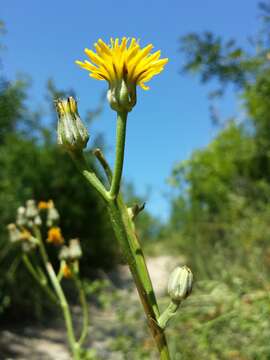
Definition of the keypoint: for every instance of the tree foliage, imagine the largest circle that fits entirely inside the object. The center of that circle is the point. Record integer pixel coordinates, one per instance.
(33, 167)
(223, 189)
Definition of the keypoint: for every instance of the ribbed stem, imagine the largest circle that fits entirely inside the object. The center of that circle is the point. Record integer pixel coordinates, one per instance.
(134, 256)
(125, 233)
(119, 155)
(74, 346)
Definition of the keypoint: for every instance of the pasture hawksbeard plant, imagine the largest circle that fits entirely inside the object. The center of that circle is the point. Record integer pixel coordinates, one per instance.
(124, 65)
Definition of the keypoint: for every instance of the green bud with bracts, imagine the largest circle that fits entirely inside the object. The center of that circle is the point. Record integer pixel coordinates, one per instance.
(180, 283)
(72, 135)
(179, 288)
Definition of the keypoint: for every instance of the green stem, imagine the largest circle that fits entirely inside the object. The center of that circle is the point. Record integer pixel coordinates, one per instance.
(41, 281)
(90, 176)
(168, 313)
(75, 347)
(101, 158)
(84, 305)
(126, 236)
(133, 254)
(119, 156)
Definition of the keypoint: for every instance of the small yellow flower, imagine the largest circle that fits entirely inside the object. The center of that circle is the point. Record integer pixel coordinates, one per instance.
(43, 205)
(66, 271)
(124, 65)
(55, 236)
(25, 235)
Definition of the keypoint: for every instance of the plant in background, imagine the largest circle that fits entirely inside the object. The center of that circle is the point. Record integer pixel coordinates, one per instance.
(124, 65)
(33, 225)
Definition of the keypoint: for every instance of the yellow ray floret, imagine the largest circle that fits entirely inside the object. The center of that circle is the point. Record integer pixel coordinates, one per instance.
(124, 60)
(55, 236)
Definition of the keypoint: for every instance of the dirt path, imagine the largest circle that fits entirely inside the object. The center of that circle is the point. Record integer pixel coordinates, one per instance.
(107, 324)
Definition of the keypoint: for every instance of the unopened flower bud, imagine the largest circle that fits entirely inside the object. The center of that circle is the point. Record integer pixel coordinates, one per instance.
(53, 215)
(14, 233)
(180, 283)
(120, 97)
(31, 209)
(75, 249)
(64, 253)
(72, 134)
(37, 220)
(21, 219)
(72, 252)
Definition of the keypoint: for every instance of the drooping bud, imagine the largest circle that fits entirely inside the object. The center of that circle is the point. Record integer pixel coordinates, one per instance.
(180, 283)
(71, 132)
(31, 209)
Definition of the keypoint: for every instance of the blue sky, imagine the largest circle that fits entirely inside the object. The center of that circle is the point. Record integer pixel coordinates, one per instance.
(172, 118)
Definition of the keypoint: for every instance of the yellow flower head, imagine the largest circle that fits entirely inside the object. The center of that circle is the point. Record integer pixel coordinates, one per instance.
(43, 205)
(25, 235)
(55, 236)
(66, 271)
(124, 65)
